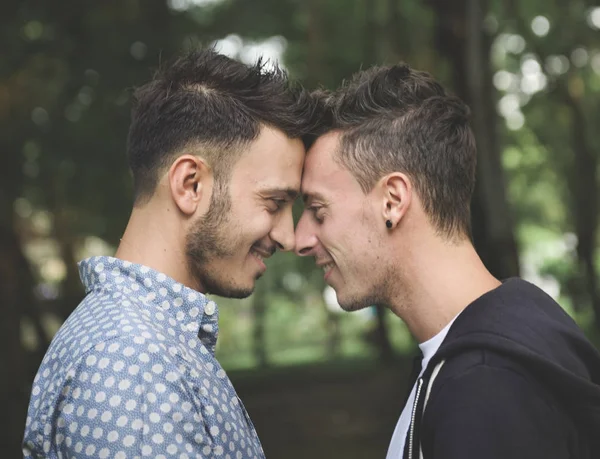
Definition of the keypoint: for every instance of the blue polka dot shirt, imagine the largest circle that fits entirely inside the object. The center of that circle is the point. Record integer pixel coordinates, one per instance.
(132, 373)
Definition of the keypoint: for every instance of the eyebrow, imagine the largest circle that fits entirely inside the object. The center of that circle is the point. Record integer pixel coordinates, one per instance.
(291, 193)
(311, 196)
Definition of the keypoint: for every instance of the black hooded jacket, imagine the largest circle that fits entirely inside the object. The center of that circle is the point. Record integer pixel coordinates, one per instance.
(514, 378)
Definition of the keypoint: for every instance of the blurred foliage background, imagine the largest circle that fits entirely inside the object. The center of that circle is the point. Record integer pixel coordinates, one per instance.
(317, 382)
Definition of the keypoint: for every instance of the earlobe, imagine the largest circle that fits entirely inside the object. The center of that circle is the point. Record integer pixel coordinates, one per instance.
(187, 178)
(397, 194)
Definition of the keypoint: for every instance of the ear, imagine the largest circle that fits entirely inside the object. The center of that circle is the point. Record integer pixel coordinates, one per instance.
(190, 179)
(397, 197)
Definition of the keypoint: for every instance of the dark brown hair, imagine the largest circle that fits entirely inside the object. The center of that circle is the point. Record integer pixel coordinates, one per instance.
(399, 119)
(211, 104)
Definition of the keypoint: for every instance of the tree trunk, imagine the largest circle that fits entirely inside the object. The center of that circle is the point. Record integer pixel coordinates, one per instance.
(14, 381)
(383, 341)
(314, 44)
(460, 38)
(259, 307)
(584, 189)
(333, 334)
(72, 291)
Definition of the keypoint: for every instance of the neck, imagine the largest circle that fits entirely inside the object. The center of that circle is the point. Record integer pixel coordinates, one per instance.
(438, 280)
(153, 238)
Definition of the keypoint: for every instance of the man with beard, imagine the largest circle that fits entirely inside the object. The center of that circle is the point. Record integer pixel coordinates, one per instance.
(505, 372)
(216, 156)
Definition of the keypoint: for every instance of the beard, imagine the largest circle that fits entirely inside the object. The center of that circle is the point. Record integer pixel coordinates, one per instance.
(377, 295)
(213, 237)
(356, 302)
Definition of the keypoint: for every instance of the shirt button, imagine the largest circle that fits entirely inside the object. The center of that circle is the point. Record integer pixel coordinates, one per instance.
(209, 309)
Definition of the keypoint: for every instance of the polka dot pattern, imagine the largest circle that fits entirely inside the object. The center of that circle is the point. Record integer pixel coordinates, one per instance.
(132, 373)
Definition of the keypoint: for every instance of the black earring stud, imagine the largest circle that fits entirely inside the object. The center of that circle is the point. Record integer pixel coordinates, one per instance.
(388, 223)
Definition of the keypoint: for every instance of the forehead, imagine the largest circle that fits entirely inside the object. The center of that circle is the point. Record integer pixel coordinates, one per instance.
(273, 160)
(322, 174)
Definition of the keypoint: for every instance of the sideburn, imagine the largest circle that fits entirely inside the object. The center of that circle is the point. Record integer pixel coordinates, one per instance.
(206, 240)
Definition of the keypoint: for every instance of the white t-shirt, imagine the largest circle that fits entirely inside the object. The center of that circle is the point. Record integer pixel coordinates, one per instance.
(428, 348)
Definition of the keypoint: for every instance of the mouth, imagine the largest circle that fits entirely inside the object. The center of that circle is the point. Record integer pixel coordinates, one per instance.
(327, 268)
(260, 256)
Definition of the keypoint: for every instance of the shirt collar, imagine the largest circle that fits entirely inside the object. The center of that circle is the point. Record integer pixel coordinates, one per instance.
(151, 289)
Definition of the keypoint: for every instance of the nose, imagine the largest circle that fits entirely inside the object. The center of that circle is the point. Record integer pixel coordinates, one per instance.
(306, 240)
(283, 232)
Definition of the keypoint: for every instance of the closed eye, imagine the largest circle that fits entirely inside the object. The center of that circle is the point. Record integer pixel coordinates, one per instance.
(277, 204)
(317, 212)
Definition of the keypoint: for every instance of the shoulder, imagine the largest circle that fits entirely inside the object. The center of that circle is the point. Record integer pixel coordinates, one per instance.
(484, 370)
(112, 349)
(484, 405)
(104, 320)
(484, 389)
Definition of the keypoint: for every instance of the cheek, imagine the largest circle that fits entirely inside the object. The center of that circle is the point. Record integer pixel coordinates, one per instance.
(256, 225)
(339, 239)
(359, 244)
(246, 215)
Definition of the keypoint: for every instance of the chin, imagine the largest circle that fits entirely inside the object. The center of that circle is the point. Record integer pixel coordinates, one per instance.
(228, 289)
(353, 303)
(238, 293)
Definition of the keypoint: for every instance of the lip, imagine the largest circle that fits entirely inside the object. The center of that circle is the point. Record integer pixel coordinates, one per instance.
(259, 253)
(331, 265)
